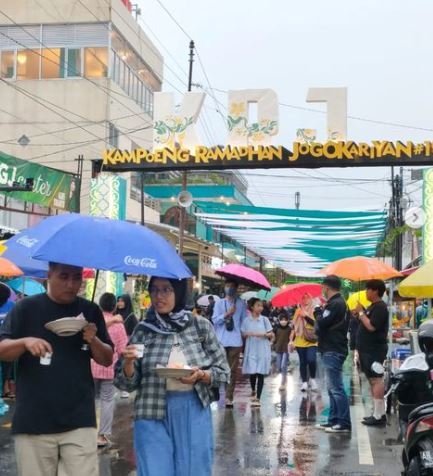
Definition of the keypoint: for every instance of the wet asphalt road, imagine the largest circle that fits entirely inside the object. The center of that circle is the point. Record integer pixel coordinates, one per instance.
(279, 439)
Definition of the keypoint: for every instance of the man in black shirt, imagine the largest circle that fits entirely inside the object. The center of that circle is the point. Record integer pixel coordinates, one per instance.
(372, 345)
(54, 422)
(332, 327)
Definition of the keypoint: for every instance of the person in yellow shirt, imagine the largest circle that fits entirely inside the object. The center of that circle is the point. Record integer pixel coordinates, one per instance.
(304, 340)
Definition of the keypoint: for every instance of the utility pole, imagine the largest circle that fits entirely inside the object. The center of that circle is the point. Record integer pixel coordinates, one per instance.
(80, 165)
(142, 197)
(182, 214)
(396, 216)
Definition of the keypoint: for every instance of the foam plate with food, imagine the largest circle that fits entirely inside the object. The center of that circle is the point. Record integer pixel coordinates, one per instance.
(173, 371)
(66, 326)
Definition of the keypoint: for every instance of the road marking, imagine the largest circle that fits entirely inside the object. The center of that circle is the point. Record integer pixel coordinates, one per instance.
(364, 447)
(363, 438)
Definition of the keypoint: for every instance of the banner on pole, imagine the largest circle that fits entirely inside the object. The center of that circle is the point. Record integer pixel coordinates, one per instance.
(51, 188)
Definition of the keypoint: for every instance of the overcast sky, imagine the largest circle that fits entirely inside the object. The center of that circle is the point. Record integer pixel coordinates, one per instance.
(379, 50)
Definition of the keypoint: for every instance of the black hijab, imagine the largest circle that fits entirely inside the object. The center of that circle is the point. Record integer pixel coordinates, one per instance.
(180, 287)
(128, 309)
(175, 321)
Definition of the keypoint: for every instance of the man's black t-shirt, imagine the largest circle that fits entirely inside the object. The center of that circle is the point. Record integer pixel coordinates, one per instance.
(58, 397)
(367, 341)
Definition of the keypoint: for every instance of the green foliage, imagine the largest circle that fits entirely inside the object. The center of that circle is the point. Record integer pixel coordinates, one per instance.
(386, 248)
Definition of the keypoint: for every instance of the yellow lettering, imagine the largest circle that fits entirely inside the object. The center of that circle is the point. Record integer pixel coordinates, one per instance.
(379, 145)
(316, 150)
(108, 157)
(402, 148)
(201, 155)
(363, 150)
(332, 150)
(389, 149)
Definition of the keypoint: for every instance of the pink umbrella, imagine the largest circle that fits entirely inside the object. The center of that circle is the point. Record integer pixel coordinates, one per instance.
(292, 294)
(244, 275)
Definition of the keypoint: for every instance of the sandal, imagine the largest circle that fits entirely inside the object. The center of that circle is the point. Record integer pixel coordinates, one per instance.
(103, 441)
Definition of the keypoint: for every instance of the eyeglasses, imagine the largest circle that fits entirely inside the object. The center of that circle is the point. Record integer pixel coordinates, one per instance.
(164, 292)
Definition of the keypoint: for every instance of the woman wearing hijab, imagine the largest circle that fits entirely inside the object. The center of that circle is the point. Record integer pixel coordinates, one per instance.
(305, 341)
(173, 425)
(126, 310)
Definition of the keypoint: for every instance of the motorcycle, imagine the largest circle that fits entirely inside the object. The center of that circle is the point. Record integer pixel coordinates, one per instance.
(412, 389)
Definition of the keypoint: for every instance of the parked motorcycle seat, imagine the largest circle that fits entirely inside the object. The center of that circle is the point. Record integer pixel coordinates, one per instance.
(421, 411)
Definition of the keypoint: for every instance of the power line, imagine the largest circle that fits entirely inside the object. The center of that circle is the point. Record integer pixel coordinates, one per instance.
(174, 19)
(354, 118)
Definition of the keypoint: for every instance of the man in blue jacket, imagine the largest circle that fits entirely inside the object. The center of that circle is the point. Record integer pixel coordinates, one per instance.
(227, 317)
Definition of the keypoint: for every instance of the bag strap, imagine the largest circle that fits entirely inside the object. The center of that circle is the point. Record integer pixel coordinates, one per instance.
(340, 323)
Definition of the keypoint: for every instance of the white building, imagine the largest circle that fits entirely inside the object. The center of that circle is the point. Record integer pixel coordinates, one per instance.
(76, 77)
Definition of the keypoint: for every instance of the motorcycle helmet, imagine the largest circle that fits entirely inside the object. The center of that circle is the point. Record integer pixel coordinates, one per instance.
(425, 340)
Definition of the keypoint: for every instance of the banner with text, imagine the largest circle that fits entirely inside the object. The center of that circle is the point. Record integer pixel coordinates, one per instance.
(52, 188)
(303, 155)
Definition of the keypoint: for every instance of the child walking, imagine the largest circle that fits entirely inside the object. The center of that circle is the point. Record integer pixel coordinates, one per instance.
(257, 356)
(281, 347)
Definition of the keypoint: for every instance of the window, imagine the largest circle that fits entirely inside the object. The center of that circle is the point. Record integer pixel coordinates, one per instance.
(74, 63)
(113, 135)
(53, 63)
(95, 62)
(28, 62)
(8, 64)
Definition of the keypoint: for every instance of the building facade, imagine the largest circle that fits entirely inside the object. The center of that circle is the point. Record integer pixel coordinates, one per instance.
(76, 78)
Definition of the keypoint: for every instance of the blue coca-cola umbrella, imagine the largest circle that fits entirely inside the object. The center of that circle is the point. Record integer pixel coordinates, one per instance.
(103, 244)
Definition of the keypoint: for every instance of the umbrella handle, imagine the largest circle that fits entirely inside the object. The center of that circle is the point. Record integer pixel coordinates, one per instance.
(94, 285)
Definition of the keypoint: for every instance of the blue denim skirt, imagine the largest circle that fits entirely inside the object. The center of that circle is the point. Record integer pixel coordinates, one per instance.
(179, 445)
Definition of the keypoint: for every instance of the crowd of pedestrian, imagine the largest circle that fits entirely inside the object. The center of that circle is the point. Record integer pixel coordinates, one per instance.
(55, 425)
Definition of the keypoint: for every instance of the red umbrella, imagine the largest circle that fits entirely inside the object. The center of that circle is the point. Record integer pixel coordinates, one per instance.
(88, 273)
(244, 275)
(292, 294)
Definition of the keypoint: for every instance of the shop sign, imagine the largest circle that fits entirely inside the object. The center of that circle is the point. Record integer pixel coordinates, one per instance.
(307, 154)
(51, 188)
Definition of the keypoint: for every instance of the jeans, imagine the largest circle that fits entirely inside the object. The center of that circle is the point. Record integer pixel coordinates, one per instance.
(307, 359)
(282, 363)
(339, 413)
(179, 445)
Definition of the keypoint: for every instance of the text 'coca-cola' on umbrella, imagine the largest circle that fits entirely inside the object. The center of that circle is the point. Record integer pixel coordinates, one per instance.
(103, 244)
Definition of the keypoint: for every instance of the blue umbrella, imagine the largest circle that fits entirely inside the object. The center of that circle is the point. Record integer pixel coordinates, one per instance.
(20, 255)
(26, 286)
(103, 244)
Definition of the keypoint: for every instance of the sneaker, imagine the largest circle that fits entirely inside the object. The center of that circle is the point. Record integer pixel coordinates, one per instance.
(304, 387)
(338, 429)
(313, 385)
(323, 426)
(124, 394)
(229, 403)
(372, 421)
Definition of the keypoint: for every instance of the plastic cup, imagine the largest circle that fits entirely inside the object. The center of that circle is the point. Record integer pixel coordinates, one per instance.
(46, 359)
(139, 349)
(377, 368)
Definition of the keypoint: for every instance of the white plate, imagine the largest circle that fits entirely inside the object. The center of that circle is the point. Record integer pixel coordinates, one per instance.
(67, 326)
(164, 372)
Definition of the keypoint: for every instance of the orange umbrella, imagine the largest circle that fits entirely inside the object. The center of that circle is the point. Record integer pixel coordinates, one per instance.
(8, 269)
(361, 268)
